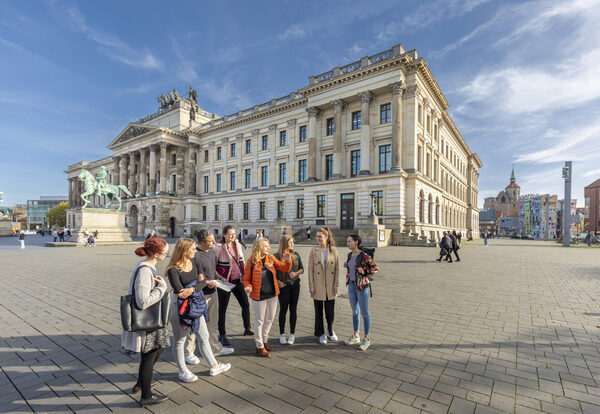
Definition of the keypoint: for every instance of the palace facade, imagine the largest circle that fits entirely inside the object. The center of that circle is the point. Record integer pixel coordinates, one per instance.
(375, 129)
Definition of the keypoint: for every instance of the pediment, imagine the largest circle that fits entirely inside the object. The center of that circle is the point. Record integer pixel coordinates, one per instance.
(130, 132)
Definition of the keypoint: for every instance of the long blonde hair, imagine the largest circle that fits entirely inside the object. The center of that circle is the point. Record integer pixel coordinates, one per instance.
(178, 259)
(283, 246)
(330, 241)
(256, 250)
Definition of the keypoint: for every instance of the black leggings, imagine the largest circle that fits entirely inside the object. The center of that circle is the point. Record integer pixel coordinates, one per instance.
(329, 315)
(146, 370)
(242, 298)
(288, 298)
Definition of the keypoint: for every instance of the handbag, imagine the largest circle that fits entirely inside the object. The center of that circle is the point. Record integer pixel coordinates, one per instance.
(153, 317)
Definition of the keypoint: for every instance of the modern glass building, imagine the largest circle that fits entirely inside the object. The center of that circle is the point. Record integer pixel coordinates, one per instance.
(36, 209)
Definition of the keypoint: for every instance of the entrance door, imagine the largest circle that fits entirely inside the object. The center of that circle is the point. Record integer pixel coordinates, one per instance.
(347, 207)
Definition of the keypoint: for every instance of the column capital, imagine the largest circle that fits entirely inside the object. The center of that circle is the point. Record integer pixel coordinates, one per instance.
(163, 145)
(338, 105)
(255, 131)
(366, 97)
(239, 137)
(313, 111)
(397, 88)
(272, 128)
(291, 122)
(411, 90)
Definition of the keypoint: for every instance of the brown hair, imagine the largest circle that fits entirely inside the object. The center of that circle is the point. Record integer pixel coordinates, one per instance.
(330, 241)
(256, 248)
(152, 246)
(358, 240)
(225, 230)
(283, 245)
(178, 259)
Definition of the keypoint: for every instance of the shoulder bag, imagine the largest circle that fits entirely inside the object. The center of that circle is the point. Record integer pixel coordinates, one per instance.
(153, 317)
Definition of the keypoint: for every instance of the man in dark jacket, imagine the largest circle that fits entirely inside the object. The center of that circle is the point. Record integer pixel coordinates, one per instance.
(444, 248)
(455, 245)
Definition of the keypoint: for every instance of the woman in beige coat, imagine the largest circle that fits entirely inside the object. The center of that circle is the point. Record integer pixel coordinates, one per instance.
(323, 281)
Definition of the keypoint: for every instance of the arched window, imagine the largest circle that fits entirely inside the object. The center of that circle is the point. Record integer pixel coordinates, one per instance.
(437, 210)
(430, 210)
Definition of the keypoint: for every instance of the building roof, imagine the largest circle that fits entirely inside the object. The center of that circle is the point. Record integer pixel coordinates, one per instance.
(594, 184)
(512, 185)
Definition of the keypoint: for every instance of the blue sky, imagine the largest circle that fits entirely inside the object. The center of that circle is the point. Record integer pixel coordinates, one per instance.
(521, 77)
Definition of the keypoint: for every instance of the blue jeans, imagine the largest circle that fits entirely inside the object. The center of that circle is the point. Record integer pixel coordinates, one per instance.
(359, 302)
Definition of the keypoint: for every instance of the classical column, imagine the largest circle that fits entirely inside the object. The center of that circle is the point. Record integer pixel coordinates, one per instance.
(397, 91)
(116, 170)
(131, 180)
(163, 167)
(180, 161)
(152, 169)
(365, 132)
(142, 172)
(239, 142)
(123, 171)
(255, 174)
(338, 157)
(70, 192)
(291, 164)
(190, 170)
(313, 112)
(273, 143)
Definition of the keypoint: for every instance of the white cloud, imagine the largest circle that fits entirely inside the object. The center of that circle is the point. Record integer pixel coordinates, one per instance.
(112, 46)
(293, 32)
(592, 173)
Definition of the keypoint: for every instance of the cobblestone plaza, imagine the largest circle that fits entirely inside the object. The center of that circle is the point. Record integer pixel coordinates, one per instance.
(510, 328)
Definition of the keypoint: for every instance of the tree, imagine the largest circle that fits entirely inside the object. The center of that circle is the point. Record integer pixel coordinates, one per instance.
(57, 215)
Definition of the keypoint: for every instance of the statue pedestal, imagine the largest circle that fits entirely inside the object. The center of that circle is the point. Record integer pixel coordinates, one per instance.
(110, 225)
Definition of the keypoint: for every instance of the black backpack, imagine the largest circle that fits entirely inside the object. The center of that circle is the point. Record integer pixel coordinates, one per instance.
(369, 251)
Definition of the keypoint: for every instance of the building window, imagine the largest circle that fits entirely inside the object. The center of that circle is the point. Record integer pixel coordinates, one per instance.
(300, 208)
(355, 120)
(420, 114)
(419, 156)
(230, 212)
(280, 209)
(232, 149)
(265, 142)
(282, 173)
(205, 155)
(248, 146)
(205, 179)
(246, 211)
(428, 124)
(301, 171)
(320, 206)
(217, 212)
(247, 178)
(173, 159)
(378, 202)
(153, 213)
(232, 180)
(302, 134)
(282, 138)
(218, 153)
(264, 176)
(262, 210)
(328, 166)
(385, 158)
(330, 126)
(203, 213)
(354, 163)
(385, 113)
(218, 182)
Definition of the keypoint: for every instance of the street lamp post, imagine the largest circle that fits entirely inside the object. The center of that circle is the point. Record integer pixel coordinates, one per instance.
(567, 173)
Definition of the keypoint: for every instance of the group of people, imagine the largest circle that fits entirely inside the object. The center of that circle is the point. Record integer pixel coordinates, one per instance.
(203, 277)
(450, 243)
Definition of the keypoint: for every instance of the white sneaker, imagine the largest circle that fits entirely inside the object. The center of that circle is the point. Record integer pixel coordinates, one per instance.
(353, 340)
(282, 339)
(188, 376)
(291, 339)
(192, 360)
(364, 344)
(219, 369)
(333, 337)
(224, 351)
(323, 339)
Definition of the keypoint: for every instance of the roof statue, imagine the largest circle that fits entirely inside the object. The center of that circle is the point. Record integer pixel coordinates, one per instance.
(193, 95)
(99, 187)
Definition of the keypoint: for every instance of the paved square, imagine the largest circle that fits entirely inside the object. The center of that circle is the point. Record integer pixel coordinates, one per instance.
(510, 328)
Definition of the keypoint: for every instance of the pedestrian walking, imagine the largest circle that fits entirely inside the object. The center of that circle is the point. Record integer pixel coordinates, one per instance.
(485, 238)
(95, 234)
(323, 282)
(61, 235)
(149, 289)
(187, 284)
(242, 238)
(55, 235)
(455, 245)
(588, 238)
(308, 232)
(206, 261)
(445, 245)
(230, 266)
(260, 282)
(22, 239)
(459, 237)
(289, 293)
(360, 268)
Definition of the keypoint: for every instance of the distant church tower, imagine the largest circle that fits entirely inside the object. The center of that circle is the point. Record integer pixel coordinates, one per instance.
(507, 200)
(513, 191)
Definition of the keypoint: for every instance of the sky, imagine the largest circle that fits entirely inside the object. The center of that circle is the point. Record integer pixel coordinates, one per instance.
(521, 77)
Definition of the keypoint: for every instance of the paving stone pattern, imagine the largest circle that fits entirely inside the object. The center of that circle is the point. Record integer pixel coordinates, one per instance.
(510, 328)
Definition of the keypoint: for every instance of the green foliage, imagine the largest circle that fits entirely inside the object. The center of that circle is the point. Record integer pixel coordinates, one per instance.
(58, 215)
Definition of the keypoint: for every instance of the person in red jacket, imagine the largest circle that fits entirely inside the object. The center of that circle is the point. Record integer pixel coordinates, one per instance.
(260, 282)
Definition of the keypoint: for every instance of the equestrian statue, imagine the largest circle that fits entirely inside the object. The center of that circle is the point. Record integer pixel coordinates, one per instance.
(99, 187)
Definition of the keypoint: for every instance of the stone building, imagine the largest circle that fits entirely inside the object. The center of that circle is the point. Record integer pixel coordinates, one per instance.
(592, 207)
(507, 200)
(377, 128)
